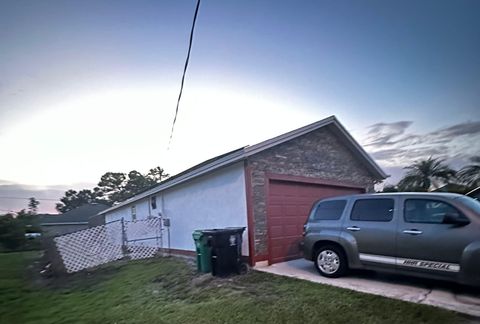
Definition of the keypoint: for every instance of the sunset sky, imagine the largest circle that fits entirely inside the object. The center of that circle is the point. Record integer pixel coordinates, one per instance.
(88, 87)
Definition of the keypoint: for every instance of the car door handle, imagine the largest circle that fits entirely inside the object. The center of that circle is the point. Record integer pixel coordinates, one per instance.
(412, 232)
(353, 228)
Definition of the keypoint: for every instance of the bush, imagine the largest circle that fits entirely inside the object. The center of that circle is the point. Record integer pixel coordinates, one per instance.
(12, 233)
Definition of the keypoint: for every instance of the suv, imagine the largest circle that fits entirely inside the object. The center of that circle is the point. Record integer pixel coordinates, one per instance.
(423, 234)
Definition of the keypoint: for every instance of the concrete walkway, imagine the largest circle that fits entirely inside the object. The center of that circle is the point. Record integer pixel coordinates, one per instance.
(437, 293)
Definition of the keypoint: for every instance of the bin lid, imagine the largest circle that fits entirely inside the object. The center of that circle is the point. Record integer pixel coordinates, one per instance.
(197, 234)
(231, 230)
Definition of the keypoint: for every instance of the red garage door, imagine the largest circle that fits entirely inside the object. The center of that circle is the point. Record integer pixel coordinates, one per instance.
(288, 206)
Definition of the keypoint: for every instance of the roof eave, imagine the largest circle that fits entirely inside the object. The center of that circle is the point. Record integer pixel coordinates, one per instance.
(230, 159)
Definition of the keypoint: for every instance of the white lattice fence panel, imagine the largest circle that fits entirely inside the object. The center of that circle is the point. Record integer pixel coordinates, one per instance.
(91, 247)
(143, 238)
(141, 251)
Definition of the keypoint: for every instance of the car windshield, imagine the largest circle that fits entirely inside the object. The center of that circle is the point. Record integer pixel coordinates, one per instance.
(471, 203)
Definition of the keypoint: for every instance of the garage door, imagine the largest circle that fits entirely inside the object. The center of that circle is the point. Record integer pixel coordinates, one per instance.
(288, 206)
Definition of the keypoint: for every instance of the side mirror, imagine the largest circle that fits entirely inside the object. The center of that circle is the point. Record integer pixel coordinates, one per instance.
(455, 219)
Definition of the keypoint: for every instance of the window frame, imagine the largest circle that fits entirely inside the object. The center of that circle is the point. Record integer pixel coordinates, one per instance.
(370, 220)
(460, 214)
(133, 210)
(153, 202)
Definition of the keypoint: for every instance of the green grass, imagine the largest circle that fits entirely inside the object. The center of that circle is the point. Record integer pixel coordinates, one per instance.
(168, 291)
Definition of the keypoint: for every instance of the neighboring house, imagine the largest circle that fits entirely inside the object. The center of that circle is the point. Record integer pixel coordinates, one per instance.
(453, 187)
(268, 188)
(475, 193)
(71, 221)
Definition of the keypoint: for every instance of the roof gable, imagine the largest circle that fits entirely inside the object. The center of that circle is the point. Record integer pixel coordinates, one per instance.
(242, 153)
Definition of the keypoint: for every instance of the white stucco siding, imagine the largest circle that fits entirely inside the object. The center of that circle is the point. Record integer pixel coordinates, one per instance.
(142, 207)
(215, 200)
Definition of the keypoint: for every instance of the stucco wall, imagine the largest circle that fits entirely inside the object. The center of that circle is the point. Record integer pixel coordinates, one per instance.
(142, 208)
(318, 154)
(215, 200)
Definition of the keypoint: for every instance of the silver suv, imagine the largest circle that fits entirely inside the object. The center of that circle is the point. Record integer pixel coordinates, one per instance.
(423, 234)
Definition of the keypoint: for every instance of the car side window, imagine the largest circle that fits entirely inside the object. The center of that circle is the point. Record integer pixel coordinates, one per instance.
(329, 210)
(374, 210)
(427, 211)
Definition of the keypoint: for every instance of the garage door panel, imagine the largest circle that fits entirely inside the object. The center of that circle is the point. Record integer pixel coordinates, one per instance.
(289, 204)
(275, 211)
(276, 231)
(288, 220)
(290, 230)
(291, 210)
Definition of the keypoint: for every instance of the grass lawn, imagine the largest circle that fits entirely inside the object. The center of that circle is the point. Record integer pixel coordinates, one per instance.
(167, 290)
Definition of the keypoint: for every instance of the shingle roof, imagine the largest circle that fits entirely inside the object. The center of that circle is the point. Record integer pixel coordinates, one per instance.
(77, 215)
(244, 152)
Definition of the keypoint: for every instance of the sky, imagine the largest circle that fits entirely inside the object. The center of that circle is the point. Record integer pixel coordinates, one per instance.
(88, 87)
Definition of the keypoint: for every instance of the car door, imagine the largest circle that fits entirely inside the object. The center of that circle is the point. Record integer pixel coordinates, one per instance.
(372, 225)
(424, 242)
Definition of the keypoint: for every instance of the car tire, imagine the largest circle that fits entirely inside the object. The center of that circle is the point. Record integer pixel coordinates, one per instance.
(330, 261)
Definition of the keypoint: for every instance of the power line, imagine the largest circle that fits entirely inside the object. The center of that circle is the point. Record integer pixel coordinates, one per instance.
(26, 198)
(184, 72)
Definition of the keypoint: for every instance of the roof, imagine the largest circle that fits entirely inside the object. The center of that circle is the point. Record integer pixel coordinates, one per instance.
(79, 215)
(242, 153)
(474, 193)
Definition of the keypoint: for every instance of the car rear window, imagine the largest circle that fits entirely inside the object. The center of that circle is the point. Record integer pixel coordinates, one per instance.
(374, 210)
(471, 203)
(427, 211)
(329, 210)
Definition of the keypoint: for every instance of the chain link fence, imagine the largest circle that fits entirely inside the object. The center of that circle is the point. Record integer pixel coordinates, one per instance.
(113, 241)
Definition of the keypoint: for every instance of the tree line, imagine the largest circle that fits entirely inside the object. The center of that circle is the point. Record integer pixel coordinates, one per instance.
(113, 187)
(425, 175)
(13, 228)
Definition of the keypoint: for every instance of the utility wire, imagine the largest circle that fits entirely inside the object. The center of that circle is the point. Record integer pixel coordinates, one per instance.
(184, 72)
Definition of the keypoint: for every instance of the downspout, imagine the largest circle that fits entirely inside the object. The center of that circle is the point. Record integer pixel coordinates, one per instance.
(168, 227)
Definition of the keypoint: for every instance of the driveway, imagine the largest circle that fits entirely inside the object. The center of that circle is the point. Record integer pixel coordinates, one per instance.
(437, 293)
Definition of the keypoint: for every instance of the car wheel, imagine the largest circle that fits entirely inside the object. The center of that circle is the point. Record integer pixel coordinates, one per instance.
(330, 261)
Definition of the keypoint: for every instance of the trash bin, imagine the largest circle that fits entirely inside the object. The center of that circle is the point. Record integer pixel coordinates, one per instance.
(226, 251)
(204, 253)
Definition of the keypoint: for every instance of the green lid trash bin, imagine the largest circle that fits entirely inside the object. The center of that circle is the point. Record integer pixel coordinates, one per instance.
(204, 253)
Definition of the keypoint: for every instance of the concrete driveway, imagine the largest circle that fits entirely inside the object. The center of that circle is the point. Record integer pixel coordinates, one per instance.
(430, 292)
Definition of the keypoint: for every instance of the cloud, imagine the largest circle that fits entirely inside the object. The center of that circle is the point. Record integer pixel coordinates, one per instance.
(392, 146)
(383, 133)
(468, 128)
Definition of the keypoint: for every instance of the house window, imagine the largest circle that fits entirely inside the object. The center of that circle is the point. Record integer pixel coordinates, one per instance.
(134, 212)
(153, 201)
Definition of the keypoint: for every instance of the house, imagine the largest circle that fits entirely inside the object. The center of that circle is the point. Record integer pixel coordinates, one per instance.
(475, 193)
(71, 221)
(453, 187)
(269, 188)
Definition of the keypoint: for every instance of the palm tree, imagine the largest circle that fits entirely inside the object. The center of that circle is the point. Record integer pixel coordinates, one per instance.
(423, 174)
(470, 174)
